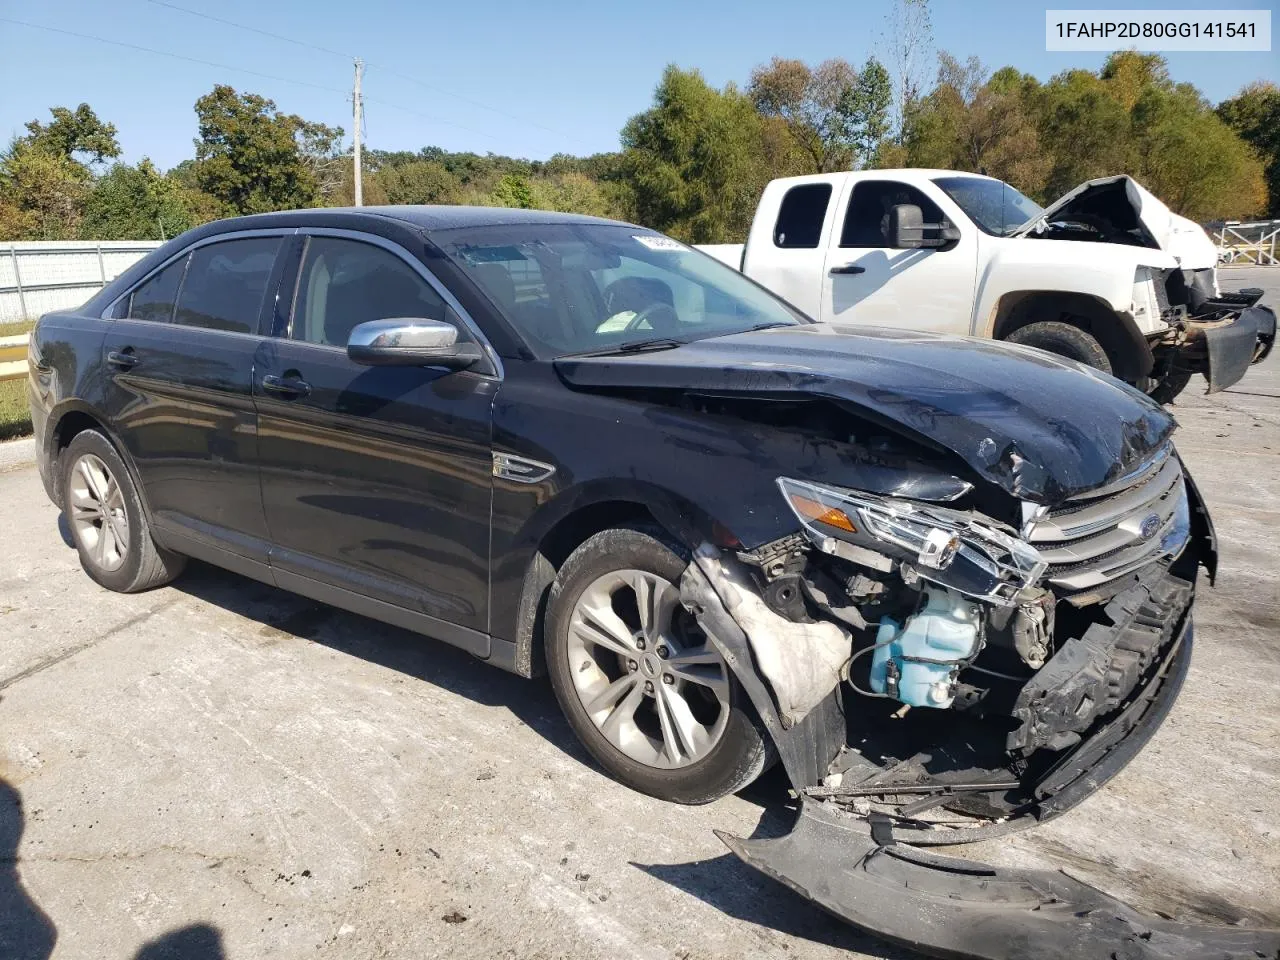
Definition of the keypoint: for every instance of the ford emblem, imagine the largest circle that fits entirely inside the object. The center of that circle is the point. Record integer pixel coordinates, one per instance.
(1149, 527)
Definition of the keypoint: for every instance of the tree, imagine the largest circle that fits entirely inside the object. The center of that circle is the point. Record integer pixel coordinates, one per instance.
(420, 181)
(137, 203)
(968, 122)
(836, 114)
(75, 132)
(45, 176)
(42, 192)
(1191, 160)
(697, 160)
(252, 158)
(1085, 128)
(513, 191)
(1254, 114)
(909, 39)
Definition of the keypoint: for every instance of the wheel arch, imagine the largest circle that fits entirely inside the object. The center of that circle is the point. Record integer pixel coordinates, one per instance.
(72, 418)
(562, 525)
(1126, 347)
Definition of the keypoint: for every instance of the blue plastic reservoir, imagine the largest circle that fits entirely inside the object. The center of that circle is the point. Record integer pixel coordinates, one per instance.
(943, 633)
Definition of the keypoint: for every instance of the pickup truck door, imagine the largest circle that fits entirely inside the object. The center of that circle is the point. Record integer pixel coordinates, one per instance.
(786, 253)
(867, 281)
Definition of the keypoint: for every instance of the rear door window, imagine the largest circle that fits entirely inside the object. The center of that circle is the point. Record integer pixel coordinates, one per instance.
(866, 222)
(343, 283)
(154, 299)
(800, 216)
(226, 283)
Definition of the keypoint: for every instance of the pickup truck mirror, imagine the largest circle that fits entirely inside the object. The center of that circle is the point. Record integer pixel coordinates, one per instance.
(907, 230)
(410, 342)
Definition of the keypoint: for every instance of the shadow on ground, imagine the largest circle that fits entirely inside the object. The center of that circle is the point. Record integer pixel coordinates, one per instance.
(734, 888)
(27, 933)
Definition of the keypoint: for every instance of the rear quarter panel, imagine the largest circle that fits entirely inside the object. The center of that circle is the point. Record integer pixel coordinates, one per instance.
(65, 375)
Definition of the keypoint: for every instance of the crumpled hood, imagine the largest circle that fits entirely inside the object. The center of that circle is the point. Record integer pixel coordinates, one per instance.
(1126, 201)
(1038, 426)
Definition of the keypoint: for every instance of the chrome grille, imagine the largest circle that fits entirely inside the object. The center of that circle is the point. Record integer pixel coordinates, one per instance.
(1102, 535)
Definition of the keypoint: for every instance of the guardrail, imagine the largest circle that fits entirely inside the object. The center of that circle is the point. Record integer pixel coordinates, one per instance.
(13, 357)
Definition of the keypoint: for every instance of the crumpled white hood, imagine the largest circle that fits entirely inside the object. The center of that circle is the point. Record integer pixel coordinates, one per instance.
(1176, 235)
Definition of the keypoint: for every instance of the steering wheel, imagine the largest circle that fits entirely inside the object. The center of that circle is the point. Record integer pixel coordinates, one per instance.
(649, 313)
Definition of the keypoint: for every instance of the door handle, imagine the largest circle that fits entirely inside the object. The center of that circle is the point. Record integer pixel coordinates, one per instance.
(290, 388)
(846, 269)
(124, 359)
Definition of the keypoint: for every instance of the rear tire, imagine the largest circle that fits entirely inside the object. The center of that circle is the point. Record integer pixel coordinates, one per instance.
(107, 521)
(688, 734)
(1064, 339)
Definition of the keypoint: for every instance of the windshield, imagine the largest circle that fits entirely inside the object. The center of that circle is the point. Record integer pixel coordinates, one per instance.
(585, 288)
(994, 206)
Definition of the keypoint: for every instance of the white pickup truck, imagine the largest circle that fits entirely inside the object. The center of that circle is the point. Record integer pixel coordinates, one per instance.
(1107, 275)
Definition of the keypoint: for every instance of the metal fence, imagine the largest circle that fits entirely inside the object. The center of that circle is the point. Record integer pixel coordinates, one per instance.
(1247, 242)
(39, 276)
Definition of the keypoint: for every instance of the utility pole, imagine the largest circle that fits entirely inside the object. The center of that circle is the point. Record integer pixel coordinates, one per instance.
(357, 109)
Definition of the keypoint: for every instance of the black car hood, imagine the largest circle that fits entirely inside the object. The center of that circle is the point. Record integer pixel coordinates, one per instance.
(1040, 427)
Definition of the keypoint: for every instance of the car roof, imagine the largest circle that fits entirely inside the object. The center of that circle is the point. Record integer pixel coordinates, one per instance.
(423, 217)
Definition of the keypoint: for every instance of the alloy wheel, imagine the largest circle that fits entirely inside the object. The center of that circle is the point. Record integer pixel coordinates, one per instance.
(98, 515)
(644, 672)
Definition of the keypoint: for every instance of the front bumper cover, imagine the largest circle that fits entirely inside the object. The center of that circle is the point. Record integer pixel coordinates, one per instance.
(856, 867)
(1234, 347)
(947, 907)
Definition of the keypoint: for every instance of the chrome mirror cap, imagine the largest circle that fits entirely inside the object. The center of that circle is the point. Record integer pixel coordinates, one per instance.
(410, 341)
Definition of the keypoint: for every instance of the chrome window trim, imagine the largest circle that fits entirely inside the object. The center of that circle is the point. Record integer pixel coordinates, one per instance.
(186, 252)
(431, 279)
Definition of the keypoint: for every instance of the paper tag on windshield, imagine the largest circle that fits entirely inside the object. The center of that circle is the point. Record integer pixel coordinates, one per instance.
(660, 243)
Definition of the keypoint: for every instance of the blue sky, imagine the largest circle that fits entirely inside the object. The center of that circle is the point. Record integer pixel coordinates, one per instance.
(522, 78)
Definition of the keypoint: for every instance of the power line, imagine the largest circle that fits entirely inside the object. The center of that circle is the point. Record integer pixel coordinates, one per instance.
(241, 26)
(174, 56)
(256, 73)
(346, 56)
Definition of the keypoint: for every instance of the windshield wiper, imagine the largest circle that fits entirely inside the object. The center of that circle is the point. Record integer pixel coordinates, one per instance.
(770, 325)
(637, 346)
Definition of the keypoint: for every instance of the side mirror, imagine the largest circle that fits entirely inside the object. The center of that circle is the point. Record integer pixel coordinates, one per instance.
(907, 230)
(410, 342)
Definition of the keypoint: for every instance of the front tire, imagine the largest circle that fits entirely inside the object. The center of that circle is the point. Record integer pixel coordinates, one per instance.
(643, 688)
(107, 521)
(1064, 339)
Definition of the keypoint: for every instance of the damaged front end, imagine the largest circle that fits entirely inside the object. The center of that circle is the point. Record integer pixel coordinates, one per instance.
(1200, 330)
(933, 676)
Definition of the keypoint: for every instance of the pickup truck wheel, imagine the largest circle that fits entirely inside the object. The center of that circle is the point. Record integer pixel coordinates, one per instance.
(107, 521)
(644, 689)
(1064, 339)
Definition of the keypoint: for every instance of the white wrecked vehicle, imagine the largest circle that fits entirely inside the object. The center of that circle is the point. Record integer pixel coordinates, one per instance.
(947, 252)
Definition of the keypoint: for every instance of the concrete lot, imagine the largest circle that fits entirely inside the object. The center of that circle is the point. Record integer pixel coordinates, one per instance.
(219, 769)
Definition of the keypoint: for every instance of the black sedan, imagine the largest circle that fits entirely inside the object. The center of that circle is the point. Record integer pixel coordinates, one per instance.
(947, 583)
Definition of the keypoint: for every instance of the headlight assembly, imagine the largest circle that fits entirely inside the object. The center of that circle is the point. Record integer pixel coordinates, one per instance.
(948, 547)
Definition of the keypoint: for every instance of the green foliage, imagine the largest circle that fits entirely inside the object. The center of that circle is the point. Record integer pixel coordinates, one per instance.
(1254, 114)
(420, 181)
(698, 159)
(970, 122)
(73, 132)
(513, 191)
(837, 115)
(138, 203)
(695, 162)
(1190, 159)
(252, 158)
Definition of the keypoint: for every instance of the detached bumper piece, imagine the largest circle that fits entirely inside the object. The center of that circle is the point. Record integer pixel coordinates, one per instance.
(955, 908)
(1232, 345)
